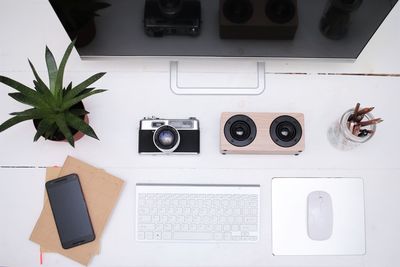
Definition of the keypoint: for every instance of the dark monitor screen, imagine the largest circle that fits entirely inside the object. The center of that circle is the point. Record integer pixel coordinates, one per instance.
(222, 28)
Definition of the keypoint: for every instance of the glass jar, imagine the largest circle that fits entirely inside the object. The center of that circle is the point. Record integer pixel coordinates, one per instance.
(342, 138)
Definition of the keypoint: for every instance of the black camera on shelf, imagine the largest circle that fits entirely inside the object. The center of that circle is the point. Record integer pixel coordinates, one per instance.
(172, 17)
(335, 21)
(164, 136)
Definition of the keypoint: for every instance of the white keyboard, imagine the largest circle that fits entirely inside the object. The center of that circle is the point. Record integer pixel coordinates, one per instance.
(198, 213)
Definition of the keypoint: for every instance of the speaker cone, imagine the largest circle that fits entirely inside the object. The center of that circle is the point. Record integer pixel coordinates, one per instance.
(240, 130)
(280, 11)
(285, 131)
(238, 11)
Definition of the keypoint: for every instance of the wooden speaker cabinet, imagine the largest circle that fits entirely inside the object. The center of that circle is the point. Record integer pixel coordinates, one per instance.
(262, 133)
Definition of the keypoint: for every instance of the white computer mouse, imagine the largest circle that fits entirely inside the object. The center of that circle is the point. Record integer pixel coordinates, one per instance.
(319, 215)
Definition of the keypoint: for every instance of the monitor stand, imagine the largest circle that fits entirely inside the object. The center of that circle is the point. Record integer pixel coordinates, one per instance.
(255, 87)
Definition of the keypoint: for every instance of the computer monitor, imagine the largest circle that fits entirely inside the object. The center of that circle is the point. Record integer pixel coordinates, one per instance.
(222, 28)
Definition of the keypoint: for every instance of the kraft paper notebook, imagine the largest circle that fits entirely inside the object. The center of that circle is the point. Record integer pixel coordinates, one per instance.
(101, 191)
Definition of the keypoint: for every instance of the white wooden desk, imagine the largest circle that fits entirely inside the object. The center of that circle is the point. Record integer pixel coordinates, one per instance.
(139, 87)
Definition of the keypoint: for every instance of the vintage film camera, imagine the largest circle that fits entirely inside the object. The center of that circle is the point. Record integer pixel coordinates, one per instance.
(172, 17)
(163, 136)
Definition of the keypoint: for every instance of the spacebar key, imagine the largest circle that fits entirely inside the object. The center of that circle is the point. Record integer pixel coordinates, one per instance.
(192, 236)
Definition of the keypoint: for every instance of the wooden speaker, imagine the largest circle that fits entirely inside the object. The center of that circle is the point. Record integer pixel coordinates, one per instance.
(262, 133)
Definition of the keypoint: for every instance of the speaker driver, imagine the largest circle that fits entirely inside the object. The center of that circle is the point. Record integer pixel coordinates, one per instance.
(240, 130)
(285, 131)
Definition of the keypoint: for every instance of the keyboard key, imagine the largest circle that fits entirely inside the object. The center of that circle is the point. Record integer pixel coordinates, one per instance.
(148, 235)
(192, 236)
(146, 227)
(227, 236)
(157, 235)
(250, 220)
(218, 236)
(144, 219)
(227, 227)
(167, 235)
(167, 227)
(140, 235)
(248, 228)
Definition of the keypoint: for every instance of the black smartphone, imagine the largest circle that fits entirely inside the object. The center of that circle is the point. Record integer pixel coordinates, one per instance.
(70, 211)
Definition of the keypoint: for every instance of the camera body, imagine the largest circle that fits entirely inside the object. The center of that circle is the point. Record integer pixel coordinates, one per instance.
(165, 136)
(262, 133)
(258, 19)
(172, 17)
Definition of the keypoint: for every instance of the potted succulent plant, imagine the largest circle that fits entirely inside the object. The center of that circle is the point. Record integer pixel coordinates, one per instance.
(77, 17)
(57, 112)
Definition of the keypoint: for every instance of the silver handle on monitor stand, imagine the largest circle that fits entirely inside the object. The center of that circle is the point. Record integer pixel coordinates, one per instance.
(180, 90)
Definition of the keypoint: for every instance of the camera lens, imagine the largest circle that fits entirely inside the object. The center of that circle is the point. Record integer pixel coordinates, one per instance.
(166, 138)
(170, 7)
(238, 11)
(280, 11)
(285, 131)
(240, 130)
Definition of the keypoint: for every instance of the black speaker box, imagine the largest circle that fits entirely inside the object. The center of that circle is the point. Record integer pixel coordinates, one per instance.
(258, 19)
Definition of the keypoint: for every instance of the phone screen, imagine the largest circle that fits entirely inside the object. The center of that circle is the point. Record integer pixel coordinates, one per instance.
(70, 211)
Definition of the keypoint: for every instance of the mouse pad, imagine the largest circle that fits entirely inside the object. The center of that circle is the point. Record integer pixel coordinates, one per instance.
(290, 216)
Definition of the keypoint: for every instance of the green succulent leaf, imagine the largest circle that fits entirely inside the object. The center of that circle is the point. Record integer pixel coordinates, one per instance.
(60, 73)
(51, 131)
(83, 85)
(68, 89)
(69, 103)
(41, 86)
(78, 124)
(22, 99)
(29, 93)
(43, 126)
(12, 121)
(62, 125)
(51, 68)
(46, 94)
(33, 112)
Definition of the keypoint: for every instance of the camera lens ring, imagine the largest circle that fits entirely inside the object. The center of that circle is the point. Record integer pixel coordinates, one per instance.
(240, 130)
(280, 11)
(166, 138)
(285, 131)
